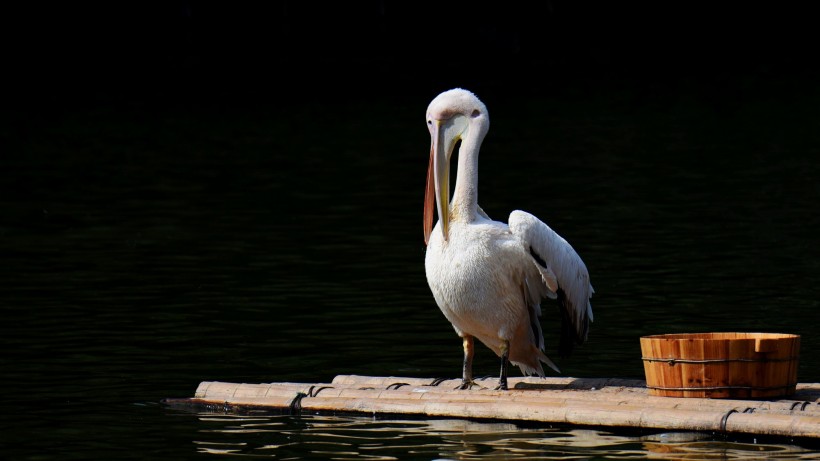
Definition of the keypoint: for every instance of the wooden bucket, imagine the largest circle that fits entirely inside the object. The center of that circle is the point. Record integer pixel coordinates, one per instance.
(721, 365)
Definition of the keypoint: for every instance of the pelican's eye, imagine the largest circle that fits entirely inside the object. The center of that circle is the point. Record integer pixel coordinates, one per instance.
(475, 113)
(430, 122)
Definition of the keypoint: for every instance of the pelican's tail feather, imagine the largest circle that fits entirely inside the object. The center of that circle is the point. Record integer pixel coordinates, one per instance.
(529, 369)
(537, 369)
(543, 357)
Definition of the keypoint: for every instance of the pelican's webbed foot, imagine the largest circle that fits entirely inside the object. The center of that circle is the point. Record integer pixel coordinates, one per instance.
(467, 385)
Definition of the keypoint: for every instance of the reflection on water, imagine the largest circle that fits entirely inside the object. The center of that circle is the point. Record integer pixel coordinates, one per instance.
(320, 437)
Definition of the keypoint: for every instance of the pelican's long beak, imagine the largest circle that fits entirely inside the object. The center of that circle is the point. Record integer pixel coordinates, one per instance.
(438, 181)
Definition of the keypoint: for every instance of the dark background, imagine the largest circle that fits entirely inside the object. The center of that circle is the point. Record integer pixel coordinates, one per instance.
(120, 118)
(60, 54)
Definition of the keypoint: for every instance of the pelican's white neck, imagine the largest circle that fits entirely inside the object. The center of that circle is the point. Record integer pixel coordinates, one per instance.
(464, 205)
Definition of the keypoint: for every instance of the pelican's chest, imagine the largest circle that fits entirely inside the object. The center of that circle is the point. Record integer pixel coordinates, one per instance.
(470, 264)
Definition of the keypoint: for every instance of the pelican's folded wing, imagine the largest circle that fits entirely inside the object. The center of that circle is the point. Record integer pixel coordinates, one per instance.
(558, 262)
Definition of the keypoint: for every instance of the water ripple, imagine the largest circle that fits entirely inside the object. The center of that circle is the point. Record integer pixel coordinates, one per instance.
(361, 438)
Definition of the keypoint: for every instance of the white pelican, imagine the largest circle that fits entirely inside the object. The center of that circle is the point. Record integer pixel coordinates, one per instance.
(488, 277)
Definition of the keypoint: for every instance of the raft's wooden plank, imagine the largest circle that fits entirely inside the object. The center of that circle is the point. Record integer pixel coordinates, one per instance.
(522, 382)
(590, 402)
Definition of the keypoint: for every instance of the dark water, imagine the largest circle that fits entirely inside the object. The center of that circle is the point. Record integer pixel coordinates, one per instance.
(145, 250)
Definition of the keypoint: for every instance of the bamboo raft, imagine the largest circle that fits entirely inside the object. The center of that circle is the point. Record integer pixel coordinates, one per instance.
(610, 403)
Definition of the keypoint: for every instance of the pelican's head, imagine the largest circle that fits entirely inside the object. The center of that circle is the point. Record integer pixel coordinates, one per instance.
(452, 116)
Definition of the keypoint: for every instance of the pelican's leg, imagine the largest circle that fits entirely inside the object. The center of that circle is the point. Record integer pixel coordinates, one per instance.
(505, 354)
(467, 375)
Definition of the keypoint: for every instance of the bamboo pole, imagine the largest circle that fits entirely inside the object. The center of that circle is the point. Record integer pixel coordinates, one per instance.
(607, 415)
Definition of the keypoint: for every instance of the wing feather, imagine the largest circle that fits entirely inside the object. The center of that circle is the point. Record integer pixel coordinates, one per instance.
(558, 262)
(532, 300)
